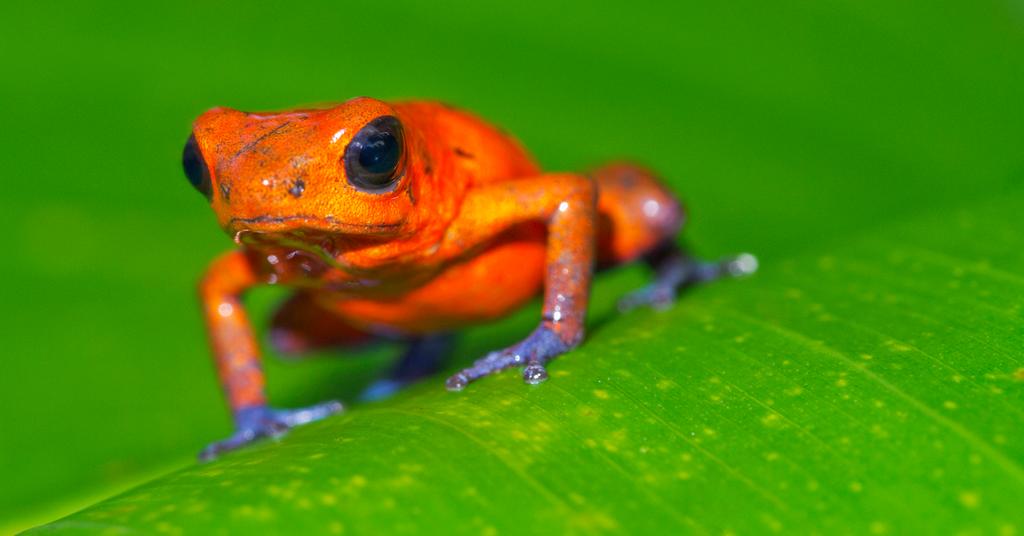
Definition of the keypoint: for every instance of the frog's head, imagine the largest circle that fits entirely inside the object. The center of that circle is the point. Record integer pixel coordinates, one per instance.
(346, 170)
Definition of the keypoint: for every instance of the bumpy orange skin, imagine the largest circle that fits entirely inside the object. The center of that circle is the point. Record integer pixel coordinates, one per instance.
(471, 231)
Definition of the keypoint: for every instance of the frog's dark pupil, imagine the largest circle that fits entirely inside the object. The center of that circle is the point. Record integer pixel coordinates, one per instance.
(380, 153)
(374, 156)
(195, 167)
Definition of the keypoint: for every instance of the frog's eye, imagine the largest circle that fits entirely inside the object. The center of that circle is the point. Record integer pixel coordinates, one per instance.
(195, 168)
(374, 156)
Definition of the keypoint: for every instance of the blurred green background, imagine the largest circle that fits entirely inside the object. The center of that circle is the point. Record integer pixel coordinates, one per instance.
(783, 125)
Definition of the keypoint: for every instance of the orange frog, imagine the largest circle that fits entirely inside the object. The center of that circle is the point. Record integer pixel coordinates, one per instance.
(411, 220)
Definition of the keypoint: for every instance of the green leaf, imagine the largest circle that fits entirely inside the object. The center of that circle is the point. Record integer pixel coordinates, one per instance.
(874, 385)
(861, 135)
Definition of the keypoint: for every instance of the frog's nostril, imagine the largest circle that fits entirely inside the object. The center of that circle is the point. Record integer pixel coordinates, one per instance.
(195, 168)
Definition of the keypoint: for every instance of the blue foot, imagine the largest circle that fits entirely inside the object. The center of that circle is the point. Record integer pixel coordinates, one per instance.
(534, 352)
(424, 356)
(381, 389)
(677, 272)
(261, 422)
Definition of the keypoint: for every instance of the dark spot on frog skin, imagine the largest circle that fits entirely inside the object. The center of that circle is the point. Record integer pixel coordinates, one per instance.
(412, 196)
(225, 192)
(298, 186)
(428, 161)
(279, 129)
(460, 152)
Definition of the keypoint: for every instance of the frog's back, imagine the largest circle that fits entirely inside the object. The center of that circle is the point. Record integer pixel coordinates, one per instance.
(467, 144)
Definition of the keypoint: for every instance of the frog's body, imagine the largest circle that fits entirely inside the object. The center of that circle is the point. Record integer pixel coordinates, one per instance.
(410, 220)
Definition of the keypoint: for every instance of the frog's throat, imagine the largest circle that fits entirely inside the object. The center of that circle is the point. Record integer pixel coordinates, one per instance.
(328, 255)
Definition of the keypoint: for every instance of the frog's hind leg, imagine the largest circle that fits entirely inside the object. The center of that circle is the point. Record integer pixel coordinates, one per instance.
(640, 219)
(424, 356)
(302, 325)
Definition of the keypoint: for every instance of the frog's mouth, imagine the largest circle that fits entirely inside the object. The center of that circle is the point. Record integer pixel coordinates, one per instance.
(315, 241)
(324, 224)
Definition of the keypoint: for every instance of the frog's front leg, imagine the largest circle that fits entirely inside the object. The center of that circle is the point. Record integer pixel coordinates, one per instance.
(238, 359)
(568, 205)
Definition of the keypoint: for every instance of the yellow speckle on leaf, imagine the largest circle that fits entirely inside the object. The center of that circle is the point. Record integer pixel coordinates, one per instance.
(664, 384)
(841, 382)
(856, 487)
(772, 523)
(970, 499)
(602, 394)
(878, 527)
(949, 404)
(592, 521)
(897, 346)
(1019, 375)
(402, 481)
(357, 481)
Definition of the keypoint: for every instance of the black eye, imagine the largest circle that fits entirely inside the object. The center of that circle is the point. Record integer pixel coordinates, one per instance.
(195, 168)
(373, 158)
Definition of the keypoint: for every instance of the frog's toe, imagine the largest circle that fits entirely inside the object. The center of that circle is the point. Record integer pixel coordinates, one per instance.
(535, 373)
(656, 295)
(261, 422)
(489, 364)
(296, 417)
(237, 440)
(456, 382)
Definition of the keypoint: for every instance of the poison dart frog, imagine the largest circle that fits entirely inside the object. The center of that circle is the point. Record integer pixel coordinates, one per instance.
(409, 221)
